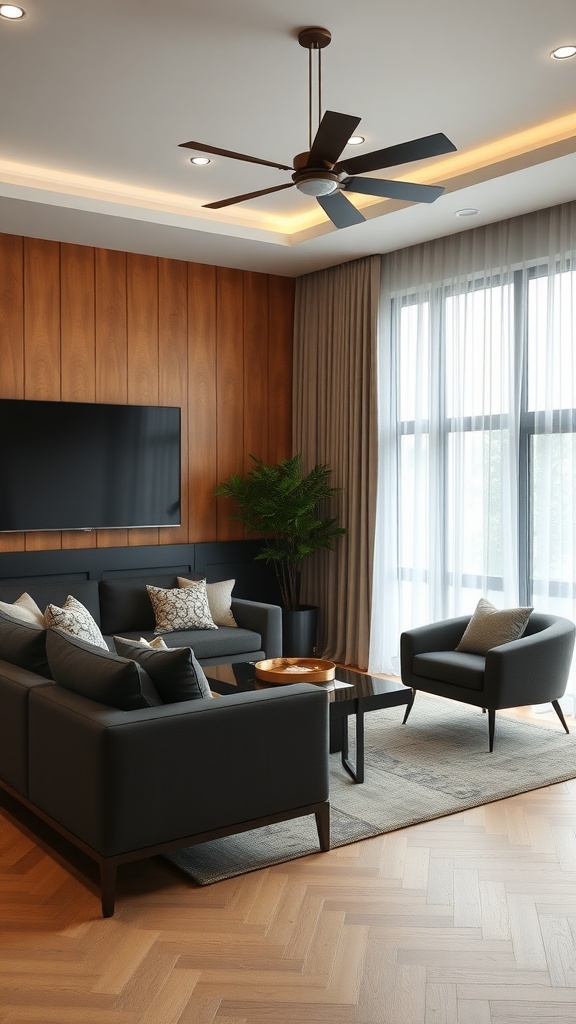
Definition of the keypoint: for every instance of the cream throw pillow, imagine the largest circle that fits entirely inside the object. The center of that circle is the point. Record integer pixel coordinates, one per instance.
(25, 609)
(181, 608)
(219, 600)
(489, 627)
(77, 620)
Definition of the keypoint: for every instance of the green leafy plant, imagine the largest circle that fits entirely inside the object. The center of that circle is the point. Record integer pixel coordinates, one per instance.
(281, 503)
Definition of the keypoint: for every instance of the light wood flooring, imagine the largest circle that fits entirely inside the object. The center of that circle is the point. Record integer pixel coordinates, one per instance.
(470, 919)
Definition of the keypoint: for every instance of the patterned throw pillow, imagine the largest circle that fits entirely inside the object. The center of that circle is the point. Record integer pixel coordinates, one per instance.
(25, 609)
(181, 608)
(77, 620)
(157, 643)
(489, 627)
(219, 599)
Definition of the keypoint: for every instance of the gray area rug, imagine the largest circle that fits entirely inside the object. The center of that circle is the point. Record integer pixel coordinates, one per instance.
(435, 765)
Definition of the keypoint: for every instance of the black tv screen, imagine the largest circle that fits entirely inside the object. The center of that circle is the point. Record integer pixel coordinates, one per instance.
(85, 466)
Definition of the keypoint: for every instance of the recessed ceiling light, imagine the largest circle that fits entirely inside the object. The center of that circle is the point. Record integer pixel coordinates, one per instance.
(12, 12)
(562, 52)
(356, 140)
(469, 211)
(200, 161)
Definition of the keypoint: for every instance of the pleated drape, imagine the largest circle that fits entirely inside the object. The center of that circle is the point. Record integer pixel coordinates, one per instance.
(334, 423)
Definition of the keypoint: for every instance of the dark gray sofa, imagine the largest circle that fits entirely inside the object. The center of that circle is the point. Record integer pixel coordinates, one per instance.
(122, 607)
(125, 785)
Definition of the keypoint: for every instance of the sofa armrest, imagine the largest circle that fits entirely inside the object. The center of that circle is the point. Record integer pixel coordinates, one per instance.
(124, 781)
(265, 619)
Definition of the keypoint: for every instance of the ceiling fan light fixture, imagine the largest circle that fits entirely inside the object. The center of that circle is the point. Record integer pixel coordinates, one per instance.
(317, 186)
(356, 140)
(199, 161)
(563, 52)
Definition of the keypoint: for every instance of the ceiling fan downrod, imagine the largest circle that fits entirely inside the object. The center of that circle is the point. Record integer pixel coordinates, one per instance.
(314, 40)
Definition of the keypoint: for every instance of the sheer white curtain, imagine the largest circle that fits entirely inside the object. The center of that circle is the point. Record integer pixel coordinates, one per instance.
(477, 426)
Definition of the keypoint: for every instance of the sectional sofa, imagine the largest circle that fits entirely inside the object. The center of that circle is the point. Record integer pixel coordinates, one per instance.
(123, 780)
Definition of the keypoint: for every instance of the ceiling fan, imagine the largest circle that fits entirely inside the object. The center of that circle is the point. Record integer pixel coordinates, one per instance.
(319, 172)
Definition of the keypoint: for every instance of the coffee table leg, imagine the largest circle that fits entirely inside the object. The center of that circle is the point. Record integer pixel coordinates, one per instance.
(356, 773)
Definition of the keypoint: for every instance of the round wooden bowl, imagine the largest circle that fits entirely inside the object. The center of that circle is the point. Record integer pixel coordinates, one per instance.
(295, 670)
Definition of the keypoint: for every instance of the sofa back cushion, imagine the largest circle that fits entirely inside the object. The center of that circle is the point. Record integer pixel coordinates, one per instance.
(23, 644)
(125, 606)
(98, 674)
(56, 592)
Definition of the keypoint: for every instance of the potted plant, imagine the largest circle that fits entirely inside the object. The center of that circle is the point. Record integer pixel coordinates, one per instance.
(282, 503)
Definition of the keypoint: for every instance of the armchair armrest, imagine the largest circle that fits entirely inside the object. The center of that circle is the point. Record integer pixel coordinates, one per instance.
(437, 636)
(265, 619)
(531, 670)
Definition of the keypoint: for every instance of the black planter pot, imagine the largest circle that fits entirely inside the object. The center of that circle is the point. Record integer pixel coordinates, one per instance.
(299, 629)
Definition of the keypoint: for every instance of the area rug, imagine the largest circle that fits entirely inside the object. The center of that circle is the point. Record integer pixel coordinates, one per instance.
(437, 764)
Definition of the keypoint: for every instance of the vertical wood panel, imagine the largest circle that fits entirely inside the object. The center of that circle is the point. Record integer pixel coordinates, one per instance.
(42, 365)
(256, 393)
(142, 307)
(111, 347)
(94, 324)
(202, 407)
(11, 340)
(281, 326)
(78, 354)
(173, 369)
(229, 390)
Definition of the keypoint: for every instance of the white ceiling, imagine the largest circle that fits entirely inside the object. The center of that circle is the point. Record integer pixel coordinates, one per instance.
(97, 96)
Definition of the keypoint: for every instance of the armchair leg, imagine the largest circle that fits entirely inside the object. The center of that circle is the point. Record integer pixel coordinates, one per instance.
(558, 711)
(491, 724)
(323, 825)
(409, 707)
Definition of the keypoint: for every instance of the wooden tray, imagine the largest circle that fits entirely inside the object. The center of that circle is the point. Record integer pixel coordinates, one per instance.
(295, 670)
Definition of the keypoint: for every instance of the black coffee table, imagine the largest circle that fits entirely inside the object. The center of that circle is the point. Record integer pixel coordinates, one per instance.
(350, 693)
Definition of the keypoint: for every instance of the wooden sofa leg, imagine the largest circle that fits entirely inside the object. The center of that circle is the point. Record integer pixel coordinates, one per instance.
(558, 711)
(323, 825)
(108, 872)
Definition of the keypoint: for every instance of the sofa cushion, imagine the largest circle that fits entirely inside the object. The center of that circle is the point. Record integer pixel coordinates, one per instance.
(181, 607)
(24, 608)
(491, 627)
(223, 642)
(23, 644)
(75, 619)
(452, 667)
(175, 671)
(219, 600)
(98, 674)
(125, 606)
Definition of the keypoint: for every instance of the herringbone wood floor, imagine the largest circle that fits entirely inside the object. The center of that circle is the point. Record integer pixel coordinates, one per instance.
(469, 919)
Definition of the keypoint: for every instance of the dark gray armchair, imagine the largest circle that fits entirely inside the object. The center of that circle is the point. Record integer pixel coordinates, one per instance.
(531, 670)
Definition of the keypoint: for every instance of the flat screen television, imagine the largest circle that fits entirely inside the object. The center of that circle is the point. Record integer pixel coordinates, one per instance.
(88, 466)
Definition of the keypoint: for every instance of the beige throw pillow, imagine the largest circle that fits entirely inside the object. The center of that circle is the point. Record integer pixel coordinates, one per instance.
(219, 600)
(25, 609)
(490, 627)
(77, 620)
(181, 608)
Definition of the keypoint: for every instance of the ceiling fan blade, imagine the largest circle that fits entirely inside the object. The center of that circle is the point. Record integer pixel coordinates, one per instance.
(405, 190)
(340, 210)
(203, 148)
(417, 149)
(249, 195)
(333, 133)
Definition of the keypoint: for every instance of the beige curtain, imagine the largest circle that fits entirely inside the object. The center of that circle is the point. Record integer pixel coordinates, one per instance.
(334, 422)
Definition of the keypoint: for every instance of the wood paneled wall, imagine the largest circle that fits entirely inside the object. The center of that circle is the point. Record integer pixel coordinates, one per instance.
(96, 325)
